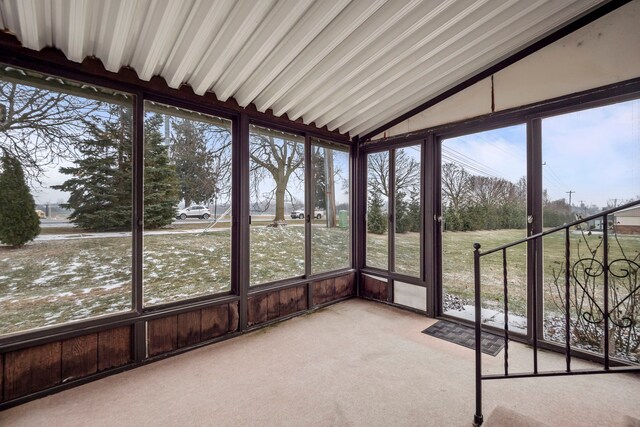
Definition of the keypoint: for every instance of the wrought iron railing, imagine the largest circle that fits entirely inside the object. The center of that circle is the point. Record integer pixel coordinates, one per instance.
(579, 276)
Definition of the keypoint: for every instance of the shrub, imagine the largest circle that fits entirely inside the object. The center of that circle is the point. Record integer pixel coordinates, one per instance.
(19, 222)
(376, 217)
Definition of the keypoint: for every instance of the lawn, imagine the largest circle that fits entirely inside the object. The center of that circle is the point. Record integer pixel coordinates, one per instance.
(54, 281)
(49, 282)
(457, 263)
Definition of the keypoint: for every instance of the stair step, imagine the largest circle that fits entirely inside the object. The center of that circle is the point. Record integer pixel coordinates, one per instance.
(503, 417)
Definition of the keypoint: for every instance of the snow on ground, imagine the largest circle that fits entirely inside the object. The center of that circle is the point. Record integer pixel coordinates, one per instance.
(57, 279)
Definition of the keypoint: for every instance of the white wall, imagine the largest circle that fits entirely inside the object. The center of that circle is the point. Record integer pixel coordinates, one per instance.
(603, 52)
(410, 295)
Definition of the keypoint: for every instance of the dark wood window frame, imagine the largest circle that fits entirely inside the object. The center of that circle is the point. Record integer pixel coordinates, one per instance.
(531, 115)
(52, 62)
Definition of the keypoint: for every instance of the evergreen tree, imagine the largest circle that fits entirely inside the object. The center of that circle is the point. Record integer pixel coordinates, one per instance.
(403, 220)
(319, 178)
(100, 187)
(193, 161)
(414, 213)
(160, 179)
(19, 222)
(101, 184)
(376, 218)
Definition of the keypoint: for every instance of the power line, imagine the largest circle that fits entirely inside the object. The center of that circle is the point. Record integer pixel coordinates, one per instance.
(474, 166)
(468, 166)
(473, 161)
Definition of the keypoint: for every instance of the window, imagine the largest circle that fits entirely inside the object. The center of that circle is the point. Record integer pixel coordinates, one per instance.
(68, 161)
(277, 194)
(330, 226)
(591, 163)
(407, 213)
(484, 200)
(377, 249)
(187, 204)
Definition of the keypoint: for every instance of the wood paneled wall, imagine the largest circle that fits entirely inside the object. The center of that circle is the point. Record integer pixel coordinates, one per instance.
(332, 289)
(283, 302)
(182, 330)
(276, 304)
(374, 288)
(38, 368)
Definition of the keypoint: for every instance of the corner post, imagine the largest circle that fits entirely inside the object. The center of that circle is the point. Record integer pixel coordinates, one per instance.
(477, 418)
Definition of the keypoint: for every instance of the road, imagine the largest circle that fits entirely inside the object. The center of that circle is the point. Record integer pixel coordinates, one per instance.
(64, 223)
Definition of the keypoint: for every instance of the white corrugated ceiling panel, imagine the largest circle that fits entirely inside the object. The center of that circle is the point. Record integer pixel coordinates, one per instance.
(351, 65)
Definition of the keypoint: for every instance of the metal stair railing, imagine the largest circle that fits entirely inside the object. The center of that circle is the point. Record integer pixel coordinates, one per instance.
(604, 313)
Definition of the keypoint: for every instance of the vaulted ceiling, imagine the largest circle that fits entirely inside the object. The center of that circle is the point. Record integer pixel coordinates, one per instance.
(349, 65)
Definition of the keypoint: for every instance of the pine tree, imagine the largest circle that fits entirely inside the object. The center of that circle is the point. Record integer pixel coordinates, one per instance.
(160, 179)
(101, 183)
(403, 220)
(193, 161)
(376, 218)
(19, 222)
(319, 178)
(100, 187)
(414, 213)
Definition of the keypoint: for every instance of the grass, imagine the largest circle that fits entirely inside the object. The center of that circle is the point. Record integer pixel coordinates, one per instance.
(407, 252)
(457, 262)
(51, 282)
(457, 267)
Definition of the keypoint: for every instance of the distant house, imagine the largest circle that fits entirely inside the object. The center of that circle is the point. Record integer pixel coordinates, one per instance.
(592, 224)
(628, 220)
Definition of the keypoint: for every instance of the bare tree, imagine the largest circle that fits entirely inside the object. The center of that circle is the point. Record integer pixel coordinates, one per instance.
(407, 173)
(487, 191)
(41, 127)
(456, 185)
(279, 159)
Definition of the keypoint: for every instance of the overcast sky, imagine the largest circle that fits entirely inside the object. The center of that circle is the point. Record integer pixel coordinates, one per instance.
(594, 153)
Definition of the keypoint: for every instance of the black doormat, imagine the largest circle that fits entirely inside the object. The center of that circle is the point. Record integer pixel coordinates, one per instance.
(466, 336)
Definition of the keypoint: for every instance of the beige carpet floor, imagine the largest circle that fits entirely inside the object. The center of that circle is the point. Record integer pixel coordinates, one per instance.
(354, 363)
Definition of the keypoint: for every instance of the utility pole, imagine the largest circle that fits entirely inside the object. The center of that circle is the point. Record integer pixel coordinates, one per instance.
(570, 192)
(330, 197)
(167, 130)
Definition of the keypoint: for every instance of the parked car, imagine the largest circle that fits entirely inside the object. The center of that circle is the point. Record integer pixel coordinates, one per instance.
(195, 211)
(299, 214)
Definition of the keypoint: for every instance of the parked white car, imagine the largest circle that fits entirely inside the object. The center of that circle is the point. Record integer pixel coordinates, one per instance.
(195, 211)
(299, 214)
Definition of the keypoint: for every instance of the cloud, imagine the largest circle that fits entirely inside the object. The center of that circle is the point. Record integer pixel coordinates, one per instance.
(594, 152)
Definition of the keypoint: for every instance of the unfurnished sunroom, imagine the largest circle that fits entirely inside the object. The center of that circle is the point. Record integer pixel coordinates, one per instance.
(187, 175)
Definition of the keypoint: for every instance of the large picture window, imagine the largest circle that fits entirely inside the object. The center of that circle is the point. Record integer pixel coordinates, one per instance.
(591, 163)
(187, 204)
(377, 220)
(331, 216)
(277, 194)
(68, 243)
(484, 200)
(65, 201)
